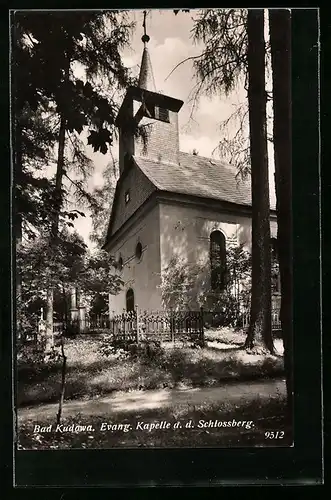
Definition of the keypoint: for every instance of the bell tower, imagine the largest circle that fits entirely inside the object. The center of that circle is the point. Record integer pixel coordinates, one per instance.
(155, 115)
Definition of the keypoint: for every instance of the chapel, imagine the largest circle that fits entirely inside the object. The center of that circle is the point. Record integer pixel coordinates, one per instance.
(171, 209)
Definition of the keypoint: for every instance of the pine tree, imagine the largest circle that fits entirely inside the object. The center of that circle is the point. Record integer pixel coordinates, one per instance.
(47, 48)
(103, 197)
(280, 40)
(48, 45)
(230, 58)
(259, 331)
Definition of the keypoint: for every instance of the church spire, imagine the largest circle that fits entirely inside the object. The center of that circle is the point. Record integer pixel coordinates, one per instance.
(146, 77)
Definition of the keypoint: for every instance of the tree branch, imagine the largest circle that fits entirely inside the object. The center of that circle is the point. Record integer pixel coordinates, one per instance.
(84, 193)
(182, 62)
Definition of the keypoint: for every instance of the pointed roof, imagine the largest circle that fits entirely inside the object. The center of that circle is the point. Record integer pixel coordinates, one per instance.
(146, 76)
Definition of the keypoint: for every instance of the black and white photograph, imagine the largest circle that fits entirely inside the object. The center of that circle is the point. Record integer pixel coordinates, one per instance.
(152, 224)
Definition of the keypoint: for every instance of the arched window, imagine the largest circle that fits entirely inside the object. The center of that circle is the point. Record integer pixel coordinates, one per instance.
(130, 300)
(217, 260)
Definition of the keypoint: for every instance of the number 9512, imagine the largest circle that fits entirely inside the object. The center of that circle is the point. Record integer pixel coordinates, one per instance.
(274, 434)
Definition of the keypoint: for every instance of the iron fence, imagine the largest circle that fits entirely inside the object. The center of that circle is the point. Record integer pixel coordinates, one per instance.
(275, 314)
(139, 325)
(88, 324)
(164, 325)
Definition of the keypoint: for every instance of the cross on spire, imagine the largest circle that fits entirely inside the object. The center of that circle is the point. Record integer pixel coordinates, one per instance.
(146, 77)
(144, 21)
(145, 38)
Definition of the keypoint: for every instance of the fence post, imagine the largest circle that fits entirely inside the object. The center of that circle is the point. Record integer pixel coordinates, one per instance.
(202, 331)
(124, 323)
(137, 322)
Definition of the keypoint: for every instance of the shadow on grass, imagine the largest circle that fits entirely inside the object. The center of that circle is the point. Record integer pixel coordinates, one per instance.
(28, 372)
(236, 348)
(169, 368)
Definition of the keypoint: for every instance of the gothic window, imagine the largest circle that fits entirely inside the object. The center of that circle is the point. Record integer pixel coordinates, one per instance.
(120, 264)
(218, 260)
(130, 300)
(127, 196)
(139, 250)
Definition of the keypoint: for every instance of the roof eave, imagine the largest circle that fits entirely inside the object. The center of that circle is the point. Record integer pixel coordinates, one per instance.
(141, 95)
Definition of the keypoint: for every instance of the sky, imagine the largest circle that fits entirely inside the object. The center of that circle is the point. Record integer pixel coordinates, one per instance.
(170, 43)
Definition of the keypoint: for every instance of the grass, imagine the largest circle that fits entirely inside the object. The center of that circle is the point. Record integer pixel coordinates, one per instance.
(227, 336)
(259, 417)
(91, 374)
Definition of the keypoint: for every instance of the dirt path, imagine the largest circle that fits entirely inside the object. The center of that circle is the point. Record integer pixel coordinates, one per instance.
(138, 401)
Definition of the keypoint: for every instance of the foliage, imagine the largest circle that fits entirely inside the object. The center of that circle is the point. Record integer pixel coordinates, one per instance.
(62, 265)
(33, 149)
(104, 198)
(146, 351)
(34, 355)
(219, 69)
(234, 147)
(48, 47)
(235, 51)
(224, 60)
(177, 281)
(99, 304)
(41, 263)
(91, 373)
(114, 350)
(187, 286)
(91, 39)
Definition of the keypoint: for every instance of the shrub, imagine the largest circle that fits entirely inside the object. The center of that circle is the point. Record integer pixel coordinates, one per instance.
(35, 355)
(115, 347)
(151, 350)
(147, 351)
(34, 363)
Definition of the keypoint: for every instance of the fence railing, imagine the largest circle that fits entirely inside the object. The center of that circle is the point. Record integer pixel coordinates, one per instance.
(169, 325)
(275, 313)
(275, 321)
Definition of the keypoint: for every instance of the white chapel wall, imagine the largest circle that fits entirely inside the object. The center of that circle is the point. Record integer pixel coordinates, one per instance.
(185, 231)
(185, 234)
(142, 276)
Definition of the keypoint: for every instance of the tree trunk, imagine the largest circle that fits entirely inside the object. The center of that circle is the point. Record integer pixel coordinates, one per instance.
(58, 191)
(63, 381)
(65, 315)
(59, 178)
(280, 39)
(56, 216)
(17, 219)
(21, 334)
(259, 335)
(49, 320)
